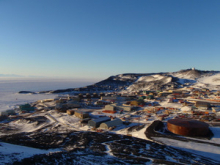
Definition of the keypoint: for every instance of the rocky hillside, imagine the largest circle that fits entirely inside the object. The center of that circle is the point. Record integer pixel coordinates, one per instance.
(150, 81)
(155, 81)
(95, 148)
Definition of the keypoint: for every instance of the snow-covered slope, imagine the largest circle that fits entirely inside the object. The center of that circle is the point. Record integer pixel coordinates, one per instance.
(212, 80)
(188, 77)
(149, 82)
(187, 74)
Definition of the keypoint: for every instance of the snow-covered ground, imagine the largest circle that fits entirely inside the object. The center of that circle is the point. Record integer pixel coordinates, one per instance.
(212, 80)
(203, 149)
(154, 78)
(186, 76)
(147, 82)
(10, 152)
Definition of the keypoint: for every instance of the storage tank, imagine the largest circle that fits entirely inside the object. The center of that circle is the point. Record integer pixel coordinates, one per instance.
(188, 127)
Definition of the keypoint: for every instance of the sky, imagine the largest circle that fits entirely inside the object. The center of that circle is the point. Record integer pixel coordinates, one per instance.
(100, 38)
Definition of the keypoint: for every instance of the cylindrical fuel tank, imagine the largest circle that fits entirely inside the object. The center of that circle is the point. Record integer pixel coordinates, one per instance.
(188, 127)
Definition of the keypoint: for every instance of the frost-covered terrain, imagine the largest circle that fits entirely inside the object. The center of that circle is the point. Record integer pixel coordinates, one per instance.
(149, 82)
(10, 153)
(211, 82)
(59, 137)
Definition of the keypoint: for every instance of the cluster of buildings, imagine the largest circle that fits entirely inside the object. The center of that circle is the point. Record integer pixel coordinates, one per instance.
(114, 109)
(145, 106)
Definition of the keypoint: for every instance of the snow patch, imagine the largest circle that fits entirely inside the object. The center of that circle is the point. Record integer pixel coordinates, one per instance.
(10, 152)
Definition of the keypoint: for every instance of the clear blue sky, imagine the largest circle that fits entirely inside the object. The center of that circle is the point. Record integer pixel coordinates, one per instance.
(100, 38)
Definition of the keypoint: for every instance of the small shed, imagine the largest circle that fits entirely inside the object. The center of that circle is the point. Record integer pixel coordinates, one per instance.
(26, 107)
(70, 112)
(96, 122)
(134, 103)
(109, 124)
(81, 114)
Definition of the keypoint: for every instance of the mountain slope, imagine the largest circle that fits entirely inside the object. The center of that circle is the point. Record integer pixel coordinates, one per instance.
(159, 81)
(131, 82)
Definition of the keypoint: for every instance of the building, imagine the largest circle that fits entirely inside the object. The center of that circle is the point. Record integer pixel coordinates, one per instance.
(114, 107)
(4, 113)
(102, 102)
(147, 92)
(126, 108)
(73, 98)
(134, 103)
(10, 112)
(81, 114)
(95, 123)
(61, 107)
(110, 124)
(110, 107)
(70, 112)
(73, 104)
(26, 108)
(114, 98)
(129, 96)
(164, 94)
(202, 105)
